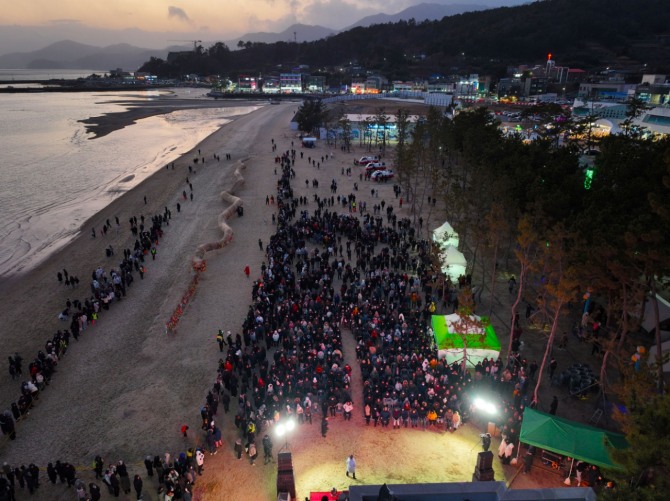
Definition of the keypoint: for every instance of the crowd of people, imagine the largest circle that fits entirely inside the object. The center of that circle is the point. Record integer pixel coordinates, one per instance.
(106, 288)
(366, 271)
(172, 477)
(175, 478)
(288, 361)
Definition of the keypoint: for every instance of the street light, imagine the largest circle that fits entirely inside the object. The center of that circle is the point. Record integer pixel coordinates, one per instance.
(283, 428)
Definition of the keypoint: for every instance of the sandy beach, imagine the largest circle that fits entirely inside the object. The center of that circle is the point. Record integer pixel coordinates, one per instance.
(127, 386)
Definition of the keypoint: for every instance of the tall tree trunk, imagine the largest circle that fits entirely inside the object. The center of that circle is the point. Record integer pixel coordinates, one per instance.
(611, 344)
(493, 280)
(547, 350)
(519, 294)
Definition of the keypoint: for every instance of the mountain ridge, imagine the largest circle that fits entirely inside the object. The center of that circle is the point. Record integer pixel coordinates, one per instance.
(69, 54)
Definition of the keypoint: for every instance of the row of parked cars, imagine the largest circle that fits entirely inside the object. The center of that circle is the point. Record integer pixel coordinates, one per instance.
(377, 169)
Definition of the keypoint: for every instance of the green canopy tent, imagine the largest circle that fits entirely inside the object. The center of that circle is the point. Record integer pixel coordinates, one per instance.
(479, 342)
(569, 438)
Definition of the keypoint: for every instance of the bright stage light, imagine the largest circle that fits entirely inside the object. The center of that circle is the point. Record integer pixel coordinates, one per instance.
(485, 406)
(284, 427)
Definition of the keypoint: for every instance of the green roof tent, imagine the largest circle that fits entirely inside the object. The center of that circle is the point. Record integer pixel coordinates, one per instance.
(570, 438)
(480, 343)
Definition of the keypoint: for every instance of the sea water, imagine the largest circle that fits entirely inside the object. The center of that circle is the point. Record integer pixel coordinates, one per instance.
(53, 176)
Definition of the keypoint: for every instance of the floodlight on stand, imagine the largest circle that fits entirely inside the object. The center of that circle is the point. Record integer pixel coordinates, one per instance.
(487, 407)
(282, 429)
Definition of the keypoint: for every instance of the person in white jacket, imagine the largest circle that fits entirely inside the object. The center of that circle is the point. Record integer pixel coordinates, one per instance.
(351, 466)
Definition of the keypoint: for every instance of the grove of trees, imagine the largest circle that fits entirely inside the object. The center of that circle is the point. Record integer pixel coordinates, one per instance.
(525, 206)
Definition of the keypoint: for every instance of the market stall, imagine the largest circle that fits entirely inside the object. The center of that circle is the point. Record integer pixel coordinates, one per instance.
(569, 438)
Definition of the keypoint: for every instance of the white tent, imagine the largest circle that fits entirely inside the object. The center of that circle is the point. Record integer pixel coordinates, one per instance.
(453, 262)
(445, 236)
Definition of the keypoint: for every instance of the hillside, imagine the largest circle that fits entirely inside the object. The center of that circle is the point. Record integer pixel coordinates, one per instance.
(580, 33)
(67, 54)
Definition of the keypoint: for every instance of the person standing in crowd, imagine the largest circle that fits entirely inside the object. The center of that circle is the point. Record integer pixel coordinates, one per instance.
(238, 448)
(220, 341)
(149, 465)
(253, 453)
(199, 461)
(486, 441)
(137, 484)
(98, 467)
(124, 477)
(267, 449)
(94, 491)
(528, 461)
(552, 367)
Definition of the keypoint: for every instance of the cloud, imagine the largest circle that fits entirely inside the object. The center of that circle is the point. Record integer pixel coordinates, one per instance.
(178, 13)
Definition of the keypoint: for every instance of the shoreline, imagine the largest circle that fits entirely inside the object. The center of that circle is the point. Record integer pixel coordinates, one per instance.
(33, 299)
(88, 205)
(104, 124)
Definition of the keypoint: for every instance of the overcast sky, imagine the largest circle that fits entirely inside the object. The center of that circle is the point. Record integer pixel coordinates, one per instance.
(31, 24)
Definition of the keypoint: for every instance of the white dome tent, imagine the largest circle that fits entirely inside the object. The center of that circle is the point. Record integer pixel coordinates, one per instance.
(445, 236)
(453, 263)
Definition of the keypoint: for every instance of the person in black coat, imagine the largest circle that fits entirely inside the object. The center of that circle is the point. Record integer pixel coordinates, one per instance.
(149, 465)
(29, 478)
(115, 485)
(99, 465)
(60, 469)
(70, 474)
(35, 472)
(95, 491)
(137, 483)
(486, 441)
(124, 478)
(225, 400)
(52, 473)
(18, 473)
(7, 424)
(324, 427)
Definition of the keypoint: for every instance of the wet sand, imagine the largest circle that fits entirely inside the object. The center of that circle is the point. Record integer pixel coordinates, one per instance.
(107, 123)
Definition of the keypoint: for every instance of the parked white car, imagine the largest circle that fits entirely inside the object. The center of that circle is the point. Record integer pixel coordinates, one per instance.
(382, 175)
(375, 166)
(365, 160)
